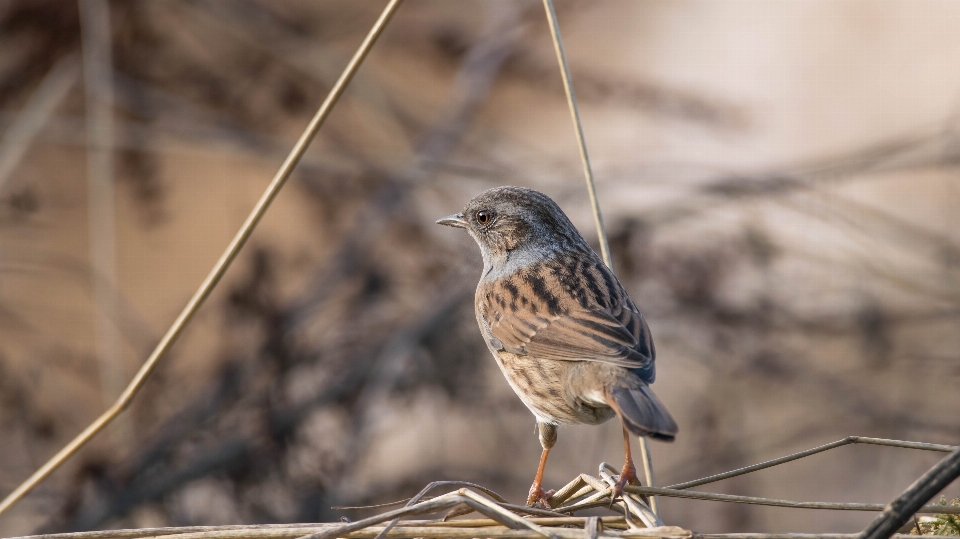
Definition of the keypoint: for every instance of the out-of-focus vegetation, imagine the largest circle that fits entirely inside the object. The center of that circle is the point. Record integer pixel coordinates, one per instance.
(939, 524)
(779, 180)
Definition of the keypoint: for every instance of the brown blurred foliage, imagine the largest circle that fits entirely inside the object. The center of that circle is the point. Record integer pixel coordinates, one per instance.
(780, 188)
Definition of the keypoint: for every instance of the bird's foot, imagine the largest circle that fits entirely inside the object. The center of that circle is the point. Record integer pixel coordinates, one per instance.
(628, 476)
(538, 497)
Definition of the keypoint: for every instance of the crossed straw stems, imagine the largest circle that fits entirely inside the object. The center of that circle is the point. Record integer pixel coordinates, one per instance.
(582, 493)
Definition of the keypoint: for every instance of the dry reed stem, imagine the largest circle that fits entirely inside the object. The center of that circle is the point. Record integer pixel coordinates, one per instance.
(635, 505)
(410, 532)
(502, 523)
(610, 521)
(592, 191)
(96, 44)
(434, 531)
(423, 492)
(447, 501)
(578, 129)
(802, 536)
(647, 462)
(28, 123)
(571, 491)
(599, 499)
(709, 496)
(218, 269)
(670, 532)
(819, 449)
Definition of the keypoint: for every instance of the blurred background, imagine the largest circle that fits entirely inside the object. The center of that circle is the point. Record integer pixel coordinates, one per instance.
(779, 180)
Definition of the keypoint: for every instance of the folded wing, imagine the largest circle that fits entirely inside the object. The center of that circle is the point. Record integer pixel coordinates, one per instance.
(606, 328)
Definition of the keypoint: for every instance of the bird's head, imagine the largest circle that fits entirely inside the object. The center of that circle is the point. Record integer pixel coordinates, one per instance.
(507, 219)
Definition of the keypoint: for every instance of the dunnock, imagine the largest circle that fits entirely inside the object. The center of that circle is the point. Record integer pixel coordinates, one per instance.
(569, 340)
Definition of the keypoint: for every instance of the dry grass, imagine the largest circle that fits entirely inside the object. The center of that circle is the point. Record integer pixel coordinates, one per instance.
(368, 369)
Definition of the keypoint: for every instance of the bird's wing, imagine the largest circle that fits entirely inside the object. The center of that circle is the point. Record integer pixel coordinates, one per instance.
(575, 336)
(615, 333)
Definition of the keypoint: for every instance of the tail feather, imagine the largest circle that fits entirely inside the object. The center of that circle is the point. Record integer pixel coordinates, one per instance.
(642, 412)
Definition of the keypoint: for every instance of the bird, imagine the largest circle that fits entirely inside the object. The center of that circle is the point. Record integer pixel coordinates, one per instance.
(565, 334)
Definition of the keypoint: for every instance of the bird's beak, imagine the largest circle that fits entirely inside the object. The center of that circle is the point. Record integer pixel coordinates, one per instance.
(455, 220)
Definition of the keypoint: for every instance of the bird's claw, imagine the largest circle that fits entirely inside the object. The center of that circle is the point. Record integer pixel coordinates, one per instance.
(628, 476)
(539, 497)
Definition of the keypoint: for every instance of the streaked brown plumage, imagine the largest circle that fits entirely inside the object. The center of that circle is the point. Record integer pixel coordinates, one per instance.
(566, 335)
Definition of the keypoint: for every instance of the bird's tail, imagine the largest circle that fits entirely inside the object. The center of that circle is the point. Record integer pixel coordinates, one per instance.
(642, 412)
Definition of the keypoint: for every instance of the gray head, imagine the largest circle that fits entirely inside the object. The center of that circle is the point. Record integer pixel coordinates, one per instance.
(508, 219)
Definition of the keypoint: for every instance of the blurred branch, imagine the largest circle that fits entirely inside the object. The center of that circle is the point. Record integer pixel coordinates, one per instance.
(478, 71)
(133, 327)
(149, 477)
(474, 78)
(98, 80)
(49, 94)
(907, 152)
(218, 270)
(316, 60)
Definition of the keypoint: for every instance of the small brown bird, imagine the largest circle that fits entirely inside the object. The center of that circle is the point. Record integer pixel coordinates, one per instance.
(569, 340)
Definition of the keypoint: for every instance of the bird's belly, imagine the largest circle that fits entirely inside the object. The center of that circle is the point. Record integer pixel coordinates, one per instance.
(540, 384)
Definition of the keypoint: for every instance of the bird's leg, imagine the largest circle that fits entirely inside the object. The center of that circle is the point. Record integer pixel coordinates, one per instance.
(628, 475)
(548, 437)
(537, 495)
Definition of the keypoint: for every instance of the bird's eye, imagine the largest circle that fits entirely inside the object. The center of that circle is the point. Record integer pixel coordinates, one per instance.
(483, 217)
